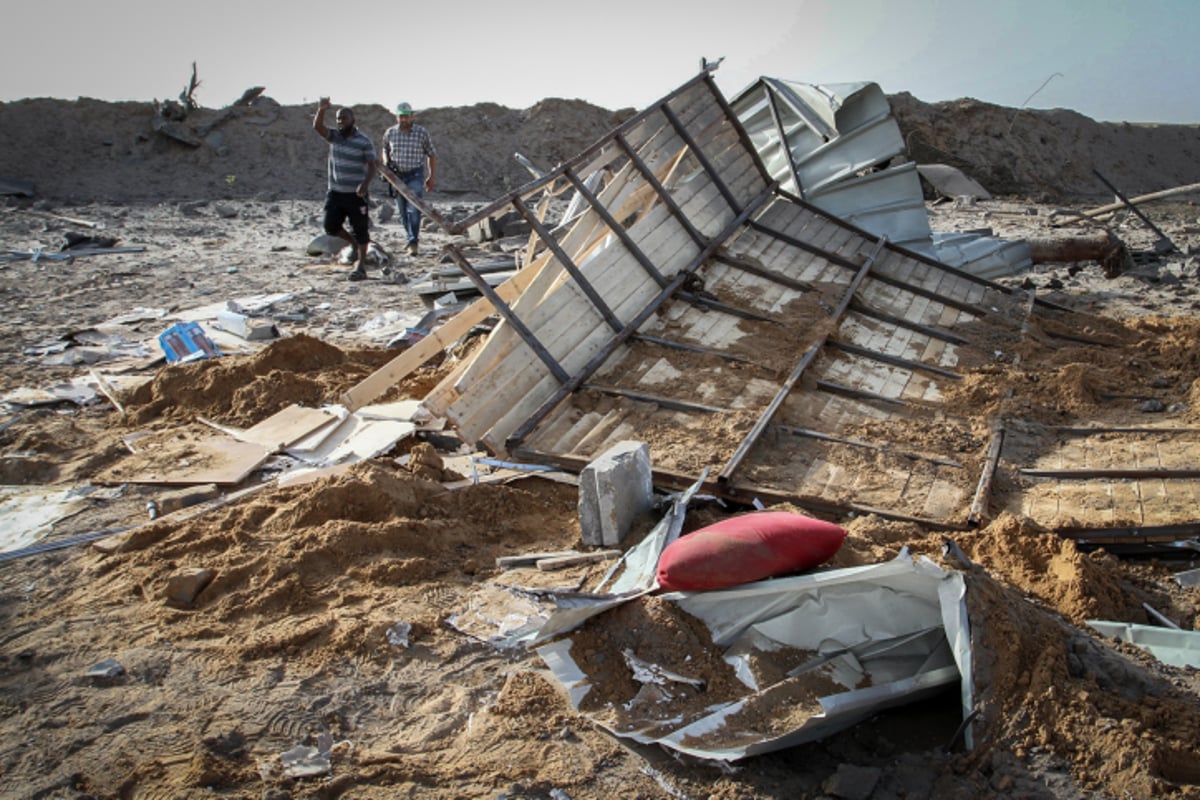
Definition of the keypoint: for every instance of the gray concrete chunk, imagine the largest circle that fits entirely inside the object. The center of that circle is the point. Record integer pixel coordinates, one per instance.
(614, 489)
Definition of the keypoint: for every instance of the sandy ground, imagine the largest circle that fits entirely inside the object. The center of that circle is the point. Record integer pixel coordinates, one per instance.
(336, 612)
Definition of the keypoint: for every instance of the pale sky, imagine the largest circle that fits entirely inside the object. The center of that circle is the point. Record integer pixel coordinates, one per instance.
(1112, 60)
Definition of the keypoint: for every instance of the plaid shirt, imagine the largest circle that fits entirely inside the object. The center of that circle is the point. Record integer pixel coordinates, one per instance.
(348, 159)
(405, 152)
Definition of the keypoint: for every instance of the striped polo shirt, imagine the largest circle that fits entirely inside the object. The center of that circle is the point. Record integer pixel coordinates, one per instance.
(348, 160)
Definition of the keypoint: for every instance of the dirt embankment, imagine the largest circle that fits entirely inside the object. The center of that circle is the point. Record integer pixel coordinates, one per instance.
(89, 150)
(1047, 155)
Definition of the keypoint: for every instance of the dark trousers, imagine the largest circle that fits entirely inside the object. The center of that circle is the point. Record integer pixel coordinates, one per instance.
(342, 206)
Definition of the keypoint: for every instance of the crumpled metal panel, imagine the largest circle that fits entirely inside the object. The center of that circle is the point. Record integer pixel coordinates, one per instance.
(889, 201)
(835, 146)
(985, 256)
(829, 133)
(832, 146)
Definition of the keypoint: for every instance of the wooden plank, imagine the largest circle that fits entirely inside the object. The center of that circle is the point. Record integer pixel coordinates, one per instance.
(439, 339)
(530, 559)
(562, 562)
(557, 321)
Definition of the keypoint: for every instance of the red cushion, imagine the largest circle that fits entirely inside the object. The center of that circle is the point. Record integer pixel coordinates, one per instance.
(747, 548)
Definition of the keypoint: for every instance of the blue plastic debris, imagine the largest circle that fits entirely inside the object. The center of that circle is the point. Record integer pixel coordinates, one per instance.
(187, 341)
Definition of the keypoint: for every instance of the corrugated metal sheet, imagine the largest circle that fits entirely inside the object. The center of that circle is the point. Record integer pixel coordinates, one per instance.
(840, 148)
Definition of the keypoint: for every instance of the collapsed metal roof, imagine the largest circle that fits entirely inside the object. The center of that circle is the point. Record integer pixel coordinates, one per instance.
(839, 147)
(699, 306)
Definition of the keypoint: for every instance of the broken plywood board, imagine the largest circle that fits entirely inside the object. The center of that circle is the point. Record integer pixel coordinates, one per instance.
(287, 426)
(184, 457)
(351, 440)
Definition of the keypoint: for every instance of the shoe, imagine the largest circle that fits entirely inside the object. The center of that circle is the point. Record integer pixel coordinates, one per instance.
(357, 275)
(412, 248)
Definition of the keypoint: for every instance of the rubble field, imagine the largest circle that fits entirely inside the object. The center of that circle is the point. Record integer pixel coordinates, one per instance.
(338, 644)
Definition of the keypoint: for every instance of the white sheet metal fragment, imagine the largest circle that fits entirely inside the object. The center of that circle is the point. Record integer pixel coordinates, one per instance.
(27, 513)
(499, 616)
(952, 182)
(892, 608)
(636, 569)
(1179, 648)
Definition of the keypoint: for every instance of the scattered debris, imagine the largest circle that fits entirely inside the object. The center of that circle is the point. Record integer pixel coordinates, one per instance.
(186, 341)
(835, 387)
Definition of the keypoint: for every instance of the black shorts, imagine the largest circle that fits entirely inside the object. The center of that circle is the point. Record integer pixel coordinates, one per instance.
(342, 206)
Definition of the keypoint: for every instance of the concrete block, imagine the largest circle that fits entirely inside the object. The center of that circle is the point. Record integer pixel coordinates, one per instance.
(614, 489)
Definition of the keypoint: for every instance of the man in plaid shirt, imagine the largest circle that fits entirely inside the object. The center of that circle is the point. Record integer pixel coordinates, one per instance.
(409, 152)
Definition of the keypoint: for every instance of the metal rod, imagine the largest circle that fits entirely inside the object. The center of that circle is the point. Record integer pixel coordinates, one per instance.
(664, 195)
(1184, 530)
(800, 244)
(695, 348)
(1090, 431)
(569, 265)
(744, 137)
(426, 208)
(783, 141)
(503, 309)
(717, 305)
(764, 418)
(713, 174)
(891, 451)
(983, 491)
(893, 360)
(617, 228)
(1162, 236)
(858, 306)
(644, 397)
(861, 275)
(857, 394)
(603, 354)
(1131, 474)
(754, 269)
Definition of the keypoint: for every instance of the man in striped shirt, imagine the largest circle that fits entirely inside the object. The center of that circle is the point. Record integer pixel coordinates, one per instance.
(408, 151)
(352, 161)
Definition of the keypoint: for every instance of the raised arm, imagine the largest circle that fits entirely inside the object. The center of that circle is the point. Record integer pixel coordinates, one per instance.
(319, 118)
